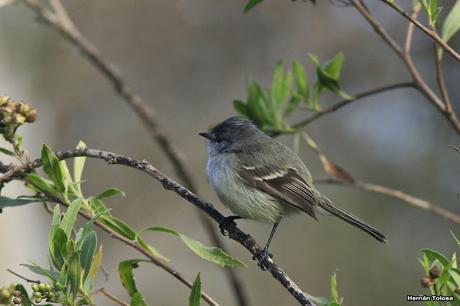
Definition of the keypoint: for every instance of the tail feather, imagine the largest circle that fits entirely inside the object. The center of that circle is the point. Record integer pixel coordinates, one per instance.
(349, 218)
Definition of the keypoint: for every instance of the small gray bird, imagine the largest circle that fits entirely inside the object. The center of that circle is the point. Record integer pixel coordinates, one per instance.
(261, 179)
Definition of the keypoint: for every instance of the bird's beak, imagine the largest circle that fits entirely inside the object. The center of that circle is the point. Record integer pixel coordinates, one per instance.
(207, 135)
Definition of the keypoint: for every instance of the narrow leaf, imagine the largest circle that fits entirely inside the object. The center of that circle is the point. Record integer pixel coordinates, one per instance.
(74, 274)
(452, 23)
(9, 202)
(78, 165)
(212, 254)
(88, 250)
(251, 4)
(112, 191)
(195, 295)
(125, 269)
(70, 216)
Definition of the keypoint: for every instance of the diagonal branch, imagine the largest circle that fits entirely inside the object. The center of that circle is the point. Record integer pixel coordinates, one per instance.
(341, 177)
(420, 83)
(233, 231)
(433, 34)
(61, 21)
(355, 98)
(134, 244)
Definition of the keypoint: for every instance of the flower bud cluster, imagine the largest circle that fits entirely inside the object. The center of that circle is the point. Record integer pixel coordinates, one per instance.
(13, 114)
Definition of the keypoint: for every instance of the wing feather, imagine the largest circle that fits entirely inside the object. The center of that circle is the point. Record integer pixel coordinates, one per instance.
(283, 184)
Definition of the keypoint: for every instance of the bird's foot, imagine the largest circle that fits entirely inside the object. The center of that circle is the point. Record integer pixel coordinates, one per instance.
(261, 257)
(227, 223)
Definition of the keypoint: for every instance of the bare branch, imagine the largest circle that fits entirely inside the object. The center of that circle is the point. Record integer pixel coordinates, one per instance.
(233, 231)
(61, 21)
(111, 296)
(24, 278)
(398, 194)
(422, 86)
(410, 28)
(426, 30)
(342, 177)
(346, 102)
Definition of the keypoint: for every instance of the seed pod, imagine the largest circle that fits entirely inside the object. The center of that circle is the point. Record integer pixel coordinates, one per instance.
(35, 287)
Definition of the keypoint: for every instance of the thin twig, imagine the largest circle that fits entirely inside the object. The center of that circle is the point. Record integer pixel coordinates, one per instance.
(455, 148)
(410, 28)
(342, 177)
(422, 86)
(233, 231)
(62, 22)
(397, 194)
(111, 296)
(24, 278)
(426, 30)
(346, 102)
(132, 243)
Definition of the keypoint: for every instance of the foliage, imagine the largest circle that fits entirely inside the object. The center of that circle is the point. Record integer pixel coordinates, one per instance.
(441, 275)
(271, 108)
(75, 256)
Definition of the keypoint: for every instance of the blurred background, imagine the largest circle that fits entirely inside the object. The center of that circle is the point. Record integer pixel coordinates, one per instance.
(189, 60)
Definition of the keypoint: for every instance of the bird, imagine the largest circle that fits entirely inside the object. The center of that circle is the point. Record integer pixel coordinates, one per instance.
(259, 178)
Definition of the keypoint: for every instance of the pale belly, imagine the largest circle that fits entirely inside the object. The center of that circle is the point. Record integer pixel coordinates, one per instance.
(243, 201)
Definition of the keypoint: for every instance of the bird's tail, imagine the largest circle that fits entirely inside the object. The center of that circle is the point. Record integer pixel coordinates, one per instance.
(327, 205)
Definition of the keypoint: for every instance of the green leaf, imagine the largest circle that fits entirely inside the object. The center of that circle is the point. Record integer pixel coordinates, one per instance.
(334, 291)
(78, 165)
(241, 108)
(291, 106)
(432, 10)
(334, 67)
(52, 168)
(212, 254)
(433, 255)
(456, 239)
(251, 4)
(71, 216)
(301, 80)
(9, 202)
(74, 274)
(452, 23)
(150, 248)
(119, 226)
(110, 192)
(258, 105)
(7, 152)
(125, 269)
(57, 247)
(41, 271)
(42, 185)
(88, 250)
(195, 295)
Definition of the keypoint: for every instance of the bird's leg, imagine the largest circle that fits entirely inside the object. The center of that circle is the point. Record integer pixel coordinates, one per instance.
(263, 255)
(227, 222)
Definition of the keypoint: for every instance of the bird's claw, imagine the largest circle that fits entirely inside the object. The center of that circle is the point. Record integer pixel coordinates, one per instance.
(261, 257)
(227, 223)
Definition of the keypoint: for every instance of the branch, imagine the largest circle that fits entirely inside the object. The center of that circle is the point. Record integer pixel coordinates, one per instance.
(342, 177)
(356, 97)
(410, 28)
(426, 30)
(23, 277)
(61, 21)
(233, 231)
(132, 243)
(422, 86)
(397, 194)
(112, 297)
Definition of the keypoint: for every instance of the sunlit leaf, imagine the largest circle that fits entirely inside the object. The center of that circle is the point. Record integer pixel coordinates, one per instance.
(212, 254)
(452, 22)
(70, 216)
(110, 192)
(125, 269)
(78, 165)
(96, 264)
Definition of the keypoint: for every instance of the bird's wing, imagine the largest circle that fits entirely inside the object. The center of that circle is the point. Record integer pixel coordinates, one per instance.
(284, 184)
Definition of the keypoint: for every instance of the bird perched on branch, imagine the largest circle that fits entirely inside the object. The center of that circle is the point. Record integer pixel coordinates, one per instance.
(258, 178)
